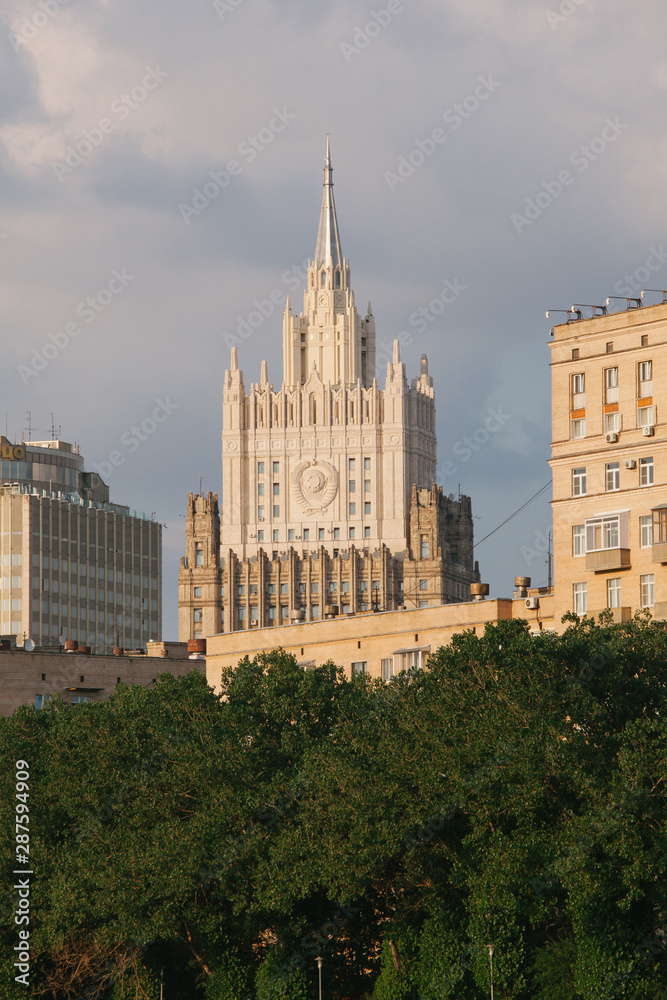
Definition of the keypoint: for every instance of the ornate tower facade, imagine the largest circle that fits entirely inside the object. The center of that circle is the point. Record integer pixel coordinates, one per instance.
(318, 473)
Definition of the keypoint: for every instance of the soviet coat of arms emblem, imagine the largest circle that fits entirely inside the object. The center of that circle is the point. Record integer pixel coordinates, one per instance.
(314, 485)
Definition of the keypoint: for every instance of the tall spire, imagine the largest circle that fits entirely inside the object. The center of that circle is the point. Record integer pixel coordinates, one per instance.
(328, 252)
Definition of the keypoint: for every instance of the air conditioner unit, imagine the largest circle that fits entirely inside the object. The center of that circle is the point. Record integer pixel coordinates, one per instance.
(532, 603)
(611, 438)
(630, 463)
(260, 518)
(254, 621)
(648, 431)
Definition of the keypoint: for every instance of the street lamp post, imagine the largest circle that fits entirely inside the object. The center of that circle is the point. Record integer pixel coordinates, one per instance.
(319, 972)
(490, 949)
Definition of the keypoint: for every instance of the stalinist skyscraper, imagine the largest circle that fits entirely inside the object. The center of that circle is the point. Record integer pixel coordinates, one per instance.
(328, 499)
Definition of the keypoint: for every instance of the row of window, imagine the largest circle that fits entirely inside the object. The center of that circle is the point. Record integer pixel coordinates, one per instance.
(614, 594)
(352, 510)
(275, 467)
(612, 478)
(646, 417)
(610, 383)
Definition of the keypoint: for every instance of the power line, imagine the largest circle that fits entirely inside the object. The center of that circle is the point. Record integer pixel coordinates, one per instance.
(518, 511)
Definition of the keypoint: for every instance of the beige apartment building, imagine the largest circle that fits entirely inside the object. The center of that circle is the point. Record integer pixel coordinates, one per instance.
(609, 462)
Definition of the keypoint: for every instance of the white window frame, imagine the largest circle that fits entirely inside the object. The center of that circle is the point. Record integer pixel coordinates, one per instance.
(645, 378)
(612, 423)
(579, 482)
(612, 474)
(611, 385)
(578, 391)
(646, 416)
(646, 531)
(646, 471)
(578, 428)
(580, 598)
(614, 598)
(607, 531)
(647, 590)
(578, 540)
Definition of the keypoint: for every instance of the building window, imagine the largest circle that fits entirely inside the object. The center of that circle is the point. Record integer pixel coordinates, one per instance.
(290, 535)
(199, 554)
(367, 485)
(284, 588)
(578, 391)
(644, 339)
(367, 464)
(609, 347)
(276, 468)
(612, 476)
(645, 416)
(614, 592)
(611, 385)
(353, 509)
(367, 532)
(610, 532)
(336, 534)
(646, 531)
(272, 613)
(198, 615)
(646, 471)
(423, 547)
(647, 584)
(260, 535)
(260, 490)
(612, 423)
(363, 585)
(367, 507)
(578, 482)
(260, 513)
(260, 468)
(315, 611)
(241, 589)
(41, 700)
(575, 353)
(387, 669)
(306, 534)
(645, 378)
(351, 464)
(197, 591)
(423, 604)
(333, 586)
(579, 428)
(580, 598)
(353, 533)
(320, 534)
(270, 588)
(423, 584)
(659, 525)
(352, 485)
(241, 614)
(579, 540)
(253, 589)
(284, 612)
(276, 536)
(276, 510)
(276, 489)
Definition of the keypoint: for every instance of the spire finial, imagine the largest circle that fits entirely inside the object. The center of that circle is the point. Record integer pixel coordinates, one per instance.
(234, 366)
(328, 252)
(397, 353)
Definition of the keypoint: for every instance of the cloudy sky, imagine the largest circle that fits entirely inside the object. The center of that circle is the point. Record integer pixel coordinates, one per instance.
(492, 159)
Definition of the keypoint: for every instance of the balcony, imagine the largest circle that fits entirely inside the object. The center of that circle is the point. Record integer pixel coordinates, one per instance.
(617, 614)
(602, 560)
(659, 552)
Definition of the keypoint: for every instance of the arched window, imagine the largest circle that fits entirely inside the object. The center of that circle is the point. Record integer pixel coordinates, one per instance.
(337, 280)
(313, 408)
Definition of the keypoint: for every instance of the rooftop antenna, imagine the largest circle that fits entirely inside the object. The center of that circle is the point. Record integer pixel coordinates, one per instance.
(658, 291)
(29, 414)
(53, 430)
